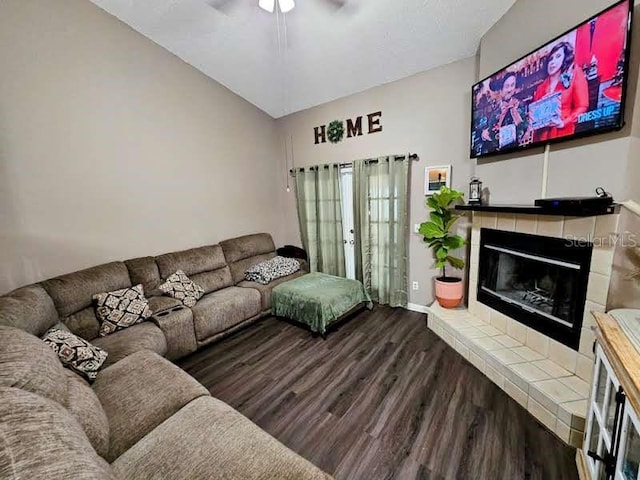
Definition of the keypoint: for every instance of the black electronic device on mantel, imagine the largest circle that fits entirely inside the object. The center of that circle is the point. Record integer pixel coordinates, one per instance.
(578, 204)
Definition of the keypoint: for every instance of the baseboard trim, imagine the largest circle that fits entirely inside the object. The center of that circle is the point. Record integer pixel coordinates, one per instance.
(414, 307)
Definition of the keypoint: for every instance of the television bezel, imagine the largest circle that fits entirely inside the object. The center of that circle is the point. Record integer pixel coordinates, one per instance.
(598, 131)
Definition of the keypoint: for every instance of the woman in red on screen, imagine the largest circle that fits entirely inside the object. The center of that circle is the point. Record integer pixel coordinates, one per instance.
(566, 78)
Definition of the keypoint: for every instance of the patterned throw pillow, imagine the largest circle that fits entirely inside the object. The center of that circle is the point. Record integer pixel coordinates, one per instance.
(181, 288)
(75, 352)
(120, 309)
(270, 270)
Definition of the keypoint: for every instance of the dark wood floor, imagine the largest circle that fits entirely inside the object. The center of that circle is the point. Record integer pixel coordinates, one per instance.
(382, 398)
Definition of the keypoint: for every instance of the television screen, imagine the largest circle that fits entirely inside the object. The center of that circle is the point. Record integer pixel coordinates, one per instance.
(572, 86)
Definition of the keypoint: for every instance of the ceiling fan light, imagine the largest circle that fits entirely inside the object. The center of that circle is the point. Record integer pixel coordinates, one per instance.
(268, 5)
(286, 5)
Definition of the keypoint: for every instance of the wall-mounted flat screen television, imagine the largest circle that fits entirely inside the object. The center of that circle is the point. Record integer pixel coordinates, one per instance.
(573, 86)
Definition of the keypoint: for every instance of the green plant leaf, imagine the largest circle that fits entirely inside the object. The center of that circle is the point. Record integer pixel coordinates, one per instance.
(430, 230)
(456, 195)
(433, 203)
(450, 222)
(444, 198)
(437, 219)
(454, 242)
(440, 264)
(442, 253)
(456, 262)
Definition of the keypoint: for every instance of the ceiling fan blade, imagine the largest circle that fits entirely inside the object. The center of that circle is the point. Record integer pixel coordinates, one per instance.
(268, 5)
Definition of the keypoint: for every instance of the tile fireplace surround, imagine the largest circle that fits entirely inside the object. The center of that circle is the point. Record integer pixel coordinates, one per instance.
(547, 378)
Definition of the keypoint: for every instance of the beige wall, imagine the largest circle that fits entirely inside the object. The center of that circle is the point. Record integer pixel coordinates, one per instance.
(111, 147)
(427, 114)
(576, 167)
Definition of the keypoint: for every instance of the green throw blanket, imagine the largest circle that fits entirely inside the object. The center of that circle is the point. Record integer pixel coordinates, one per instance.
(317, 299)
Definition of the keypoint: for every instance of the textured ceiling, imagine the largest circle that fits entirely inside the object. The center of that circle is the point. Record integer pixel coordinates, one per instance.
(331, 52)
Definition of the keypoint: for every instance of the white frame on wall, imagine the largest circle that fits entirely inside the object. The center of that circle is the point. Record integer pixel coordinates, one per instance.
(446, 168)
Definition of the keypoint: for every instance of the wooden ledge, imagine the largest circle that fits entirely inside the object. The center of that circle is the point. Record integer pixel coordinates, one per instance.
(536, 210)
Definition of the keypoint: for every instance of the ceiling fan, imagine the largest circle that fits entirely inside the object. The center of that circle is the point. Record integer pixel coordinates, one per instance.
(285, 6)
(270, 5)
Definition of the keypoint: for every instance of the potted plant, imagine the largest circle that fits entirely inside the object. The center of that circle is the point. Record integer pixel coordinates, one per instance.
(437, 234)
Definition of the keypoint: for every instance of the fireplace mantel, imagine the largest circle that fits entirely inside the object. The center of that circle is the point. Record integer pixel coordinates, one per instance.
(535, 210)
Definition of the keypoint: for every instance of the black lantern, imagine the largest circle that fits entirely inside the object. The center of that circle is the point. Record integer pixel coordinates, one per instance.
(475, 191)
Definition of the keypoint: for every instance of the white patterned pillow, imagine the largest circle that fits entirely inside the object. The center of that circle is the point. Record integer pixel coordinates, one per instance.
(180, 287)
(75, 352)
(120, 309)
(270, 270)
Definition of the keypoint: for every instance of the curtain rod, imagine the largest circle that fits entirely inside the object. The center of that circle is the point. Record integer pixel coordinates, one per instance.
(412, 156)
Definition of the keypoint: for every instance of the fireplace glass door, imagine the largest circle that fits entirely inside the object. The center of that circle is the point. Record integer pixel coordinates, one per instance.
(536, 284)
(538, 281)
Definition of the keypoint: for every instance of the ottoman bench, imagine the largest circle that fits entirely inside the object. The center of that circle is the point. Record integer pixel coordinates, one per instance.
(318, 300)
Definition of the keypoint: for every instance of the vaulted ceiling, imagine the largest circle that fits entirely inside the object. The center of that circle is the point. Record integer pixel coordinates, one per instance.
(330, 51)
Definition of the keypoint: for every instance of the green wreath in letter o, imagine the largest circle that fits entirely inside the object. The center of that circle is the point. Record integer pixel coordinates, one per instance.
(335, 132)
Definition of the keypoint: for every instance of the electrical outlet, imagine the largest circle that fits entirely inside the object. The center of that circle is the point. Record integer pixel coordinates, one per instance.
(416, 286)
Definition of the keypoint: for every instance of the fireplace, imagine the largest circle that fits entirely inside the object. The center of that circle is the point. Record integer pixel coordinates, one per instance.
(538, 281)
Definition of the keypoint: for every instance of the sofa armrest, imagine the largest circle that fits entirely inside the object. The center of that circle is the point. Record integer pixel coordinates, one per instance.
(177, 326)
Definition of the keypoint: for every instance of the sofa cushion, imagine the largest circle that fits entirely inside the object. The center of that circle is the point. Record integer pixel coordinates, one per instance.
(160, 304)
(244, 252)
(143, 336)
(138, 394)
(265, 290)
(192, 261)
(83, 403)
(75, 352)
(84, 323)
(74, 291)
(144, 270)
(26, 362)
(40, 439)
(214, 279)
(219, 443)
(218, 311)
(121, 309)
(239, 248)
(182, 288)
(29, 308)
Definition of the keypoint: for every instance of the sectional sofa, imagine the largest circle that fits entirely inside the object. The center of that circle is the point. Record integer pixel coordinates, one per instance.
(143, 417)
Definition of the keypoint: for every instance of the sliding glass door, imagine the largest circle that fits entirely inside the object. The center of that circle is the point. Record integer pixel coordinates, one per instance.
(353, 223)
(348, 228)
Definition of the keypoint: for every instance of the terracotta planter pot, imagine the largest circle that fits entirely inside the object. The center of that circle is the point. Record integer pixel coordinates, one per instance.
(449, 292)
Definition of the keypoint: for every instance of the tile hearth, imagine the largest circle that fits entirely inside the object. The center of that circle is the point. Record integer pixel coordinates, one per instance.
(553, 395)
(549, 379)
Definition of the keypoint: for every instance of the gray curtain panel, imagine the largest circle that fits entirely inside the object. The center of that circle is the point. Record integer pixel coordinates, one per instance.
(320, 216)
(380, 206)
